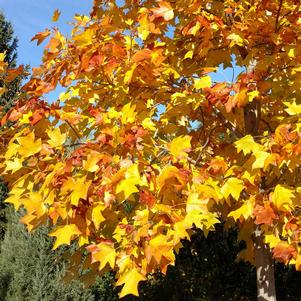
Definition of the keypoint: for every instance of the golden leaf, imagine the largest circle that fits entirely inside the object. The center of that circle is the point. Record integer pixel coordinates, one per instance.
(234, 187)
(203, 82)
(247, 145)
(57, 139)
(105, 253)
(130, 279)
(260, 157)
(64, 234)
(282, 197)
(28, 146)
(56, 15)
(179, 147)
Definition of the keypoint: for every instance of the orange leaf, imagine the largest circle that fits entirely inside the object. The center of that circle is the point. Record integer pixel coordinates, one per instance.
(147, 198)
(264, 214)
(164, 11)
(56, 15)
(41, 36)
(284, 252)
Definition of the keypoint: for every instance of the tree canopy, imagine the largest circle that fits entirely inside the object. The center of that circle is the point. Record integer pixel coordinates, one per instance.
(143, 146)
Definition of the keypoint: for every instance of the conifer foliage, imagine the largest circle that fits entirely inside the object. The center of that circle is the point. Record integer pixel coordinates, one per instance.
(8, 46)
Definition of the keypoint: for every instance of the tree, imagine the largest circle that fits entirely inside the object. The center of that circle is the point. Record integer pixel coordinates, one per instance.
(155, 147)
(8, 45)
(29, 268)
(29, 271)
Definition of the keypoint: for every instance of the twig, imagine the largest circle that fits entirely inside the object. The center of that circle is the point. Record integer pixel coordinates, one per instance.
(278, 15)
(73, 129)
(227, 123)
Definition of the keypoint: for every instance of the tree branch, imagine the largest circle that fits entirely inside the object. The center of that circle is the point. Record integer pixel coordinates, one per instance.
(278, 15)
(227, 123)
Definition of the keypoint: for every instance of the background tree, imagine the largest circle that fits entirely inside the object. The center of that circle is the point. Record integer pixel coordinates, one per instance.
(30, 271)
(165, 149)
(8, 45)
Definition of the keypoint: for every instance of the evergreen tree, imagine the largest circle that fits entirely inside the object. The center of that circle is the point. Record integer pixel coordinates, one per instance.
(31, 271)
(8, 45)
(3, 221)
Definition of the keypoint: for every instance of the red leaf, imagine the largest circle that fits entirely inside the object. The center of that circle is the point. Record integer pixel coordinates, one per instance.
(147, 198)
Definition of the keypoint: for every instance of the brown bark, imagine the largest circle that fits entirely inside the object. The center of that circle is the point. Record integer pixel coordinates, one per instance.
(265, 273)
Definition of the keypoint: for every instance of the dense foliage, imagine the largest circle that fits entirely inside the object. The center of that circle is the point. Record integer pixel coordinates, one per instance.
(156, 148)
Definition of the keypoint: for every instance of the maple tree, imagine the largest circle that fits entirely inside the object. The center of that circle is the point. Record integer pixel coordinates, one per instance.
(143, 146)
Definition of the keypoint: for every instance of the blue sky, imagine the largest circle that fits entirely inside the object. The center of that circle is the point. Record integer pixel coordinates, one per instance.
(32, 16)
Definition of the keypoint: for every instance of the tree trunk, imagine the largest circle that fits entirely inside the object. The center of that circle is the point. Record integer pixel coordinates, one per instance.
(265, 273)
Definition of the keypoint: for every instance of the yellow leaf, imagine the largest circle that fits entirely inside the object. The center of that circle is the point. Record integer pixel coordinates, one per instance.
(129, 22)
(129, 74)
(57, 139)
(78, 187)
(188, 55)
(2, 90)
(203, 221)
(130, 280)
(56, 15)
(105, 254)
(158, 247)
(234, 187)
(15, 197)
(92, 160)
(128, 186)
(180, 231)
(25, 119)
(167, 174)
(271, 239)
(293, 108)
(247, 145)
(252, 95)
(2, 56)
(64, 234)
(3, 64)
(34, 204)
(203, 82)
(83, 240)
(97, 217)
(179, 147)
(282, 197)
(14, 165)
(260, 156)
(128, 113)
(195, 202)
(148, 124)
(291, 53)
(28, 146)
(250, 176)
(245, 210)
(235, 39)
(84, 38)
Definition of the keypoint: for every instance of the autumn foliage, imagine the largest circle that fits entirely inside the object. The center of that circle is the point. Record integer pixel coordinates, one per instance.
(143, 146)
